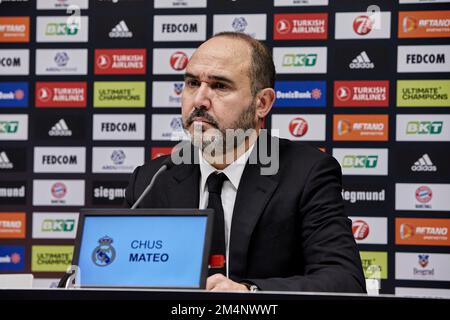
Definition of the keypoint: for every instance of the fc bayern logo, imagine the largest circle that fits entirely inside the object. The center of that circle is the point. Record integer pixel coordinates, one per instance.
(59, 190)
(104, 254)
(424, 194)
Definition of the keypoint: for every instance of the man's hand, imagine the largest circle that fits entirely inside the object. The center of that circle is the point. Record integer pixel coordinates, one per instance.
(218, 282)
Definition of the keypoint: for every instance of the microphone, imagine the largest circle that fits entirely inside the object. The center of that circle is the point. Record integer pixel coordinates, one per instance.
(166, 165)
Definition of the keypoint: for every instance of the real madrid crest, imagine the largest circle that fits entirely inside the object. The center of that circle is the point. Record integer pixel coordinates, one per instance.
(104, 254)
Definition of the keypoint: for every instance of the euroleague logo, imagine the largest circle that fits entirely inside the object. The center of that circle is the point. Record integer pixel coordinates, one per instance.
(362, 25)
(103, 61)
(179, 60)
(424, 194)
(298, 127)
(44, 94)
(360, 229)
(59, 190)
(283, 26)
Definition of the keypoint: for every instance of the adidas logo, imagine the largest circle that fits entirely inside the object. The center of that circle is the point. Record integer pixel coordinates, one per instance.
(60, 129)
(424, 164)
(362, 61)
(121, 31)
(4, 161)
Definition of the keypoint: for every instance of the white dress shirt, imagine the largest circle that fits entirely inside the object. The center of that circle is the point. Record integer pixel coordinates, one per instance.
(234, 173)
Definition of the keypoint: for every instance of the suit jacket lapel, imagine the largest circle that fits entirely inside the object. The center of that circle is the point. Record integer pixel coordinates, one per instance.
(183, 186)
(252, 196)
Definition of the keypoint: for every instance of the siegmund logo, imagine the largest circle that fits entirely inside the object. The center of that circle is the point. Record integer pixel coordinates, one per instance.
(121, 30)
(424, 164)
(108, 192)
(362, 61)
(364, 196)
(60, 129)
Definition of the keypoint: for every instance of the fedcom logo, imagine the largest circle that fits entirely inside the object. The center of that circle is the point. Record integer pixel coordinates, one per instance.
(423, 127)
(60, 159)
(118, 127)
(362, 161)
(300, 59)
(179, 28)
(423, 59)
(14, 62)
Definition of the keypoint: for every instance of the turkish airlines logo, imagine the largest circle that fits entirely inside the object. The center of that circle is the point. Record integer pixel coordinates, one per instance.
(283, 26)
(120, 61)
(362, 25)
(303, 26)
(360, 229)
(61, 94)
(179, 60)
(343, 93)
(361, 93)
(298, 127)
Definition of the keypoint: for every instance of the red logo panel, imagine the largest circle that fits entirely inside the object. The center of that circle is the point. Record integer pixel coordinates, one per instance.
(61, 94)
(361, 93)
(305, 26)
(120, 61)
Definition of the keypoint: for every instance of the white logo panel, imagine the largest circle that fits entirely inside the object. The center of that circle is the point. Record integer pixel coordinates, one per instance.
(60, 159)
(61, 61)
(179, 28)
(423, 59)
(62, 29)
(423, 127)
(300, 59)
(116, 159)
(160, 4)
(422, 266)
(118, 127)
(369, 230)
(51, 225)
(357, 161)
(168, 127)
(14, 62)
(167, 94)
(422, 196)
(363, 25)
(299, 127)
(58, 192)
(294, 3)
(251, 24)
(61, 5)
(171, 61)
(13, 127)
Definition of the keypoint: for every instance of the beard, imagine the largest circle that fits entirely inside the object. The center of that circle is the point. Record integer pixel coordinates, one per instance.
(218, 139)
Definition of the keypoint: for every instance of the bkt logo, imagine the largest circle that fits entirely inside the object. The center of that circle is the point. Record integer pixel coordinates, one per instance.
(299, 60)
(13, 94)
(60, 29)
(360, 161)
(9, 126)
(424, 127)
(58, 225)
(300, 93)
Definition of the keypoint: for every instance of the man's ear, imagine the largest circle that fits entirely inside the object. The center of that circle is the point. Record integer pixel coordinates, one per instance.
(265, 99)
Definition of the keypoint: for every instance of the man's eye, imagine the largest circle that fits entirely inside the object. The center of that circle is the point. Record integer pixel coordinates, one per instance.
(219, 86)
(192, 83)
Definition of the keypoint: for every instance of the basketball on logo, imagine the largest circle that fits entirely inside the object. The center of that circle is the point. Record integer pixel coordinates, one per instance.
(298, 127)
(343, 93)
(59, 190)
(424, 194)
(362, 25)
(283, 26)
(179, 60)
(360, 229)
(103, 61)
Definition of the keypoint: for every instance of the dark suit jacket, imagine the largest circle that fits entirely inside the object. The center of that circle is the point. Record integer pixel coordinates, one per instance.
(289, 231)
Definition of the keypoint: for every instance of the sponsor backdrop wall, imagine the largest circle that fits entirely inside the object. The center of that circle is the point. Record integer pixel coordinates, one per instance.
(87, 95)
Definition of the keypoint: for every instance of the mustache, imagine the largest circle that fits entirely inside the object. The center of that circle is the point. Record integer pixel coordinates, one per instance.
(201, 113)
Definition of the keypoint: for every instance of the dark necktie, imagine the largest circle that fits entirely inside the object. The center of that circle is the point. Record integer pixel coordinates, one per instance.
(217, 258)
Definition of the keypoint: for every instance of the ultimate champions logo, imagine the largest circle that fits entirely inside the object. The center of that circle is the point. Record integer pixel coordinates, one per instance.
(104, 254)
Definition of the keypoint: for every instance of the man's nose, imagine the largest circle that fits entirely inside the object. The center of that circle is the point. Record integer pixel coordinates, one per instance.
(202, 96)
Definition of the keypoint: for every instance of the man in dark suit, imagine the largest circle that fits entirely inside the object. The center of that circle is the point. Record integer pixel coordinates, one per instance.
(282, 231)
